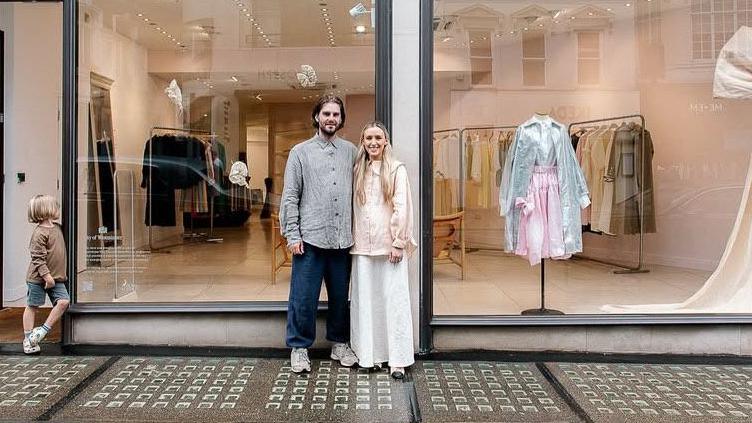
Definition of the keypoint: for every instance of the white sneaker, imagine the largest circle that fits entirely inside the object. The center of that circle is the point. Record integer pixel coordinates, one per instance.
(299, 360)
(343, 354)
(28, 348)
(36, 336)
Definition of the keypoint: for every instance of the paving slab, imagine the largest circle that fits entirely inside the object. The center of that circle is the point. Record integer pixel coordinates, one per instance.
(29, 386)
(659, 393)
(238, 389)
(455, 391)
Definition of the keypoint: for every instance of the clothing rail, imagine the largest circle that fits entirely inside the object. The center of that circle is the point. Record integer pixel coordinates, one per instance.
(462, 168)
(152, 132)
(462, 155)
(641, 210)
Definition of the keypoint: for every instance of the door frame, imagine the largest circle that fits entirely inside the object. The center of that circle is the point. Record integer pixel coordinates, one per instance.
(2, 155)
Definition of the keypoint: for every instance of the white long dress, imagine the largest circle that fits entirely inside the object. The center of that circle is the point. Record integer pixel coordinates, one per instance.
(381, 328)
(380, 319)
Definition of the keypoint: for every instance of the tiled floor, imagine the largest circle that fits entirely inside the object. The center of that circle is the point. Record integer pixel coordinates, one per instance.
(648, 393)
(496, 283)
(186, 389)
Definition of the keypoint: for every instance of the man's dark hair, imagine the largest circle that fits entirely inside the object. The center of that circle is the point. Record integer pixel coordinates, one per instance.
(320, 105)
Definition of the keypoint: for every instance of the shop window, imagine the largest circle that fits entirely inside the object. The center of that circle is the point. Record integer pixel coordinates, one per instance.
(533, 58)
(714, 22)
(480, 58)
(588, 58)
(664, 232)
(180, 96)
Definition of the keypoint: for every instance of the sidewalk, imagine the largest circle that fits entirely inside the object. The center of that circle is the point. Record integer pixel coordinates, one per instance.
(87, 388)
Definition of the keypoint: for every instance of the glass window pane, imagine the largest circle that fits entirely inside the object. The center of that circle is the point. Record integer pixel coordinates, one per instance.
(173, 95)
(533, 44)
(481, 71)
(664, 202)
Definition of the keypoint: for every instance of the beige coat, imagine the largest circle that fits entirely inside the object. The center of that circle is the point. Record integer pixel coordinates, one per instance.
(378, 226)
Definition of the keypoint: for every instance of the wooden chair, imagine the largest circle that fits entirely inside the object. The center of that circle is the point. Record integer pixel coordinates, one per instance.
(447, 231)
(279, 260)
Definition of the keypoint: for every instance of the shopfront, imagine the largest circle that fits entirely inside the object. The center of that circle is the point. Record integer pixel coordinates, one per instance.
(640, 91)
(657, 262)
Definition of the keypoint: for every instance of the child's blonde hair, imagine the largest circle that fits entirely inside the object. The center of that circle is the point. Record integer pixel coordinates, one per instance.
(43, 207)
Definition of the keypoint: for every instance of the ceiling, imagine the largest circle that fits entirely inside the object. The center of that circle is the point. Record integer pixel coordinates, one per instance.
(182, 24)
(208, 28)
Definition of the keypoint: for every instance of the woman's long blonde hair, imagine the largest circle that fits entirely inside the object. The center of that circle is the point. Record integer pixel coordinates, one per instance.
(362, 162)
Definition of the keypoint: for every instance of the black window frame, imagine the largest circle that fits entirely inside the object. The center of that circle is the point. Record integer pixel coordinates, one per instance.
(428, 321)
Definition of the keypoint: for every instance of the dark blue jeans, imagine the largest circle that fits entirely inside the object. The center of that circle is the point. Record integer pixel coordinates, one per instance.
(308, 269)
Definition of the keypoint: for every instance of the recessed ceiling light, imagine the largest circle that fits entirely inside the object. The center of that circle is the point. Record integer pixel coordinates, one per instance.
(590, 13)
(140, 15)
(159, 28)
(360, 29)
(244, 10)
(324, 14)
(628, 4)
(261, 32)
(572, 17)
(252, 19)
(146, 19)
(540, 25)
(234, 78)
(248, 15)
(609, 9)
(525, 29)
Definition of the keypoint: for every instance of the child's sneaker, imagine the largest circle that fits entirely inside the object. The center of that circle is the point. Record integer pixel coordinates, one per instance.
(28, 348)
(36, 336)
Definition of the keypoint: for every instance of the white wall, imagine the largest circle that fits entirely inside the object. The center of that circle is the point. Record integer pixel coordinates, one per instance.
(405, 120)
(32, 132)
(257, 138)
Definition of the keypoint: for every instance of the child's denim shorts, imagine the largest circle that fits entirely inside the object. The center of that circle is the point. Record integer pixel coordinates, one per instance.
(35, 293)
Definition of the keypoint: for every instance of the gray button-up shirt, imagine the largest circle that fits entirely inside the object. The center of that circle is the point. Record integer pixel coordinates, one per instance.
(316, 205)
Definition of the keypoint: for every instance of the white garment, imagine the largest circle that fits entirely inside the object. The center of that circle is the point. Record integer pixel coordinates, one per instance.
(733, 70)
(475, 173)
(729, 288)
(381, 328)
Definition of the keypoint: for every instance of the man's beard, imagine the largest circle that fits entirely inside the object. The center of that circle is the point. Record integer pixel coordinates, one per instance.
(328, 133)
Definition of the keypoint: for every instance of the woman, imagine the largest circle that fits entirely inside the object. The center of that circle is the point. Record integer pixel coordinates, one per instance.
(381, 327)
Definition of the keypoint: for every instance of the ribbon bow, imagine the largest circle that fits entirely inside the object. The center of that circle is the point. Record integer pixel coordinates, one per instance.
(526, 203)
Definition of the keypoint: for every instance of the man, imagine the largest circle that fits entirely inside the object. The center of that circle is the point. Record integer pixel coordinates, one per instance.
(316, 218)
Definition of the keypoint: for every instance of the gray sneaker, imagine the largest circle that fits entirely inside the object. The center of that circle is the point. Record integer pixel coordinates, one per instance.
(299, 360)
(343, 354)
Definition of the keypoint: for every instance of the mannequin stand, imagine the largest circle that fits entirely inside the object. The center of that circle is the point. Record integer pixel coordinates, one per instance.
(542, 310)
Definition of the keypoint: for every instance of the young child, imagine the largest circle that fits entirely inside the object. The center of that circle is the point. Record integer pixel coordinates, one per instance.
(47, 270)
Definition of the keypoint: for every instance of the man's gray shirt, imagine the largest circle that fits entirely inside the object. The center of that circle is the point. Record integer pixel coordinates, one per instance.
(316, 205)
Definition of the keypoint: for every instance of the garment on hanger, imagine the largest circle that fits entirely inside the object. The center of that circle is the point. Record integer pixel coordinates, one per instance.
(170, 162)
(445, 148)
(599, 146)
(542, 191)
(628, 163)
